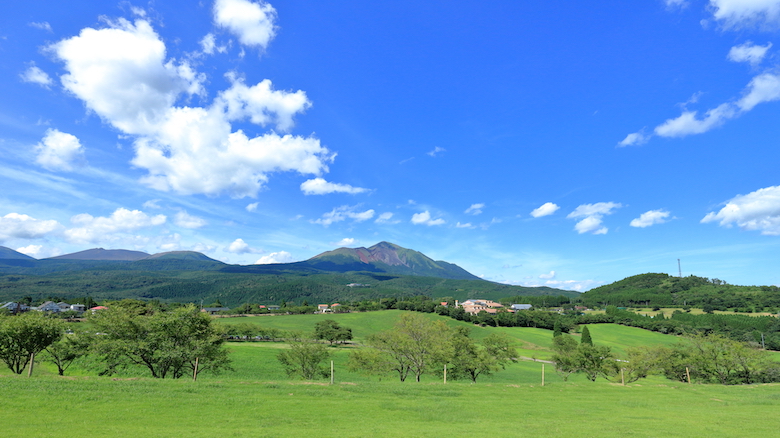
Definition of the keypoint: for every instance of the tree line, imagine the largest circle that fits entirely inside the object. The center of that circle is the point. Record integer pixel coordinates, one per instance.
(700, 358)
(175, 343)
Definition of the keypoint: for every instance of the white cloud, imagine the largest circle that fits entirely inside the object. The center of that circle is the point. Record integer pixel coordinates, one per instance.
(275, 257)
(238, 246)
(649, 218)
(347, 241)
(756, 211)
(186, 220)
(22, 226)
(343, 213)
(762, 88)
(31, 250)
(549, 276)
(43, 25)
(35, 75)
(386, 218)
(436, 151)
(676, 4)
(153, 204)
(252, 207)
(635, 138)
(592, 215)
(209, 45)
(261, 104)
(252, 23)
(751, 53)
(688, 123)
(122, 74)
(318, 186)
(424, 218)
(466, 225)
(475, 209)
(545, 209)
(59, 151)
(736, 14)
(90, 229)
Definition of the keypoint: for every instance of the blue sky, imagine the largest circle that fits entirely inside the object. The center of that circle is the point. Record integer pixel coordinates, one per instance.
(559, 143)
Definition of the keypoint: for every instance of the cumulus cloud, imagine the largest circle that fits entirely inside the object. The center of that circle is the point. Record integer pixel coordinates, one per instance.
(751, 53)
(737, 14)
(90, 229)
(253, 23)
(209, 45)
(59, 151)
(649, 218)
(475, 209)
(424, 218)
(756, 211)
(22, 226)
(35, 75)
(347, 241)
(318, 186)
(275, 257)
(238, 246)
(186, 220)
(31, 250)
(592, 215)
(122, 75)
(549, 276)
(343, 213)
(545, 209)
(252, 207)
(466, 225)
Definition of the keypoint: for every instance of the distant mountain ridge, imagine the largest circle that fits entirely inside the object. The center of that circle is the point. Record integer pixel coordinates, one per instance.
(104, 254)
(9, 254)
(390, 258)
(387, 269)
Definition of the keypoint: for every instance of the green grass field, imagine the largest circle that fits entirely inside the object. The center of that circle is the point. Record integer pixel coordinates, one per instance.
(259, 400)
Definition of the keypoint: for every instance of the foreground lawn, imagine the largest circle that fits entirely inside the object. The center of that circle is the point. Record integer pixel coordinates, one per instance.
(99, 407)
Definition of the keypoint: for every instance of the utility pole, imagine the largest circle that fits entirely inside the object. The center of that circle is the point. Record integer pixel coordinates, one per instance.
(679, 268)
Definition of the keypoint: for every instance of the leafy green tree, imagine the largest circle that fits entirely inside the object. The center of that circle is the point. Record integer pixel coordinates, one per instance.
(470, 360)
(24, 336)
(593, 360)
(304, 358)
(413, 345)
(168, 344)
(332, 331)
(565, 347)
(586, 339)
(69, 348)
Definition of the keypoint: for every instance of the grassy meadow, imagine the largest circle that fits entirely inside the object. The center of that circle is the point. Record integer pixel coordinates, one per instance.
(258, 400)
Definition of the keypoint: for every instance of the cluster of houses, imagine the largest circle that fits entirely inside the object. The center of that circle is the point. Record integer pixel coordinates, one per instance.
(475, 306)
(324, 308)
(49, 306)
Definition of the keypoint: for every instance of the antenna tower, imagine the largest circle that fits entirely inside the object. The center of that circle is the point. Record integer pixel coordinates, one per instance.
(679, 269)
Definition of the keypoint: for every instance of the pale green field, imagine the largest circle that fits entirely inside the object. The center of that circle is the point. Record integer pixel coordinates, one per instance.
(258, 399)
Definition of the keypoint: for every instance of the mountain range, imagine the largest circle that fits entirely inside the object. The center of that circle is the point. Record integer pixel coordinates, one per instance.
(387, 269)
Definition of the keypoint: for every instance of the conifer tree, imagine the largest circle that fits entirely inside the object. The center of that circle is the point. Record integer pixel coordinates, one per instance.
(586, 336)
(557, 329)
